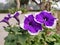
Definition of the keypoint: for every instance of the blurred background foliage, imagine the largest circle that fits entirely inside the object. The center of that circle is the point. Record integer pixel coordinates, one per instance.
(11, 6)
(25, 5)
(17, 4)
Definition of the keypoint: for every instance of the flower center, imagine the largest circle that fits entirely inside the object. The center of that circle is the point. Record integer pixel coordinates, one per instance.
(30, 23)
(45, 18)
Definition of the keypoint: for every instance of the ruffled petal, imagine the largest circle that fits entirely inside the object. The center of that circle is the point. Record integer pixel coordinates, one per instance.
(31, 26)
(54, 24)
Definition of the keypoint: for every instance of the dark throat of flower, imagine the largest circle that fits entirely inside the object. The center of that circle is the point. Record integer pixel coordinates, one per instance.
(45, 18)
(30, 23)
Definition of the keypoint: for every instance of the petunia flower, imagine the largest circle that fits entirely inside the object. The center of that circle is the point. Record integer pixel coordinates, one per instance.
(6, 19)
(30, 25)
(16, 15)
(46, 18)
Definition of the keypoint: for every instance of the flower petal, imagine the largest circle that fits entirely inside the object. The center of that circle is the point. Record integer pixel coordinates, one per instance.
(33, 33)
(31, 25)
(54, 25)
(16, 17)
(6, 19)
(45, 17)
(39, 19)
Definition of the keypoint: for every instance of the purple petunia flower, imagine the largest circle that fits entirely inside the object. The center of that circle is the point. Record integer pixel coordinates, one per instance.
(16, 17)
(45, 18)
(6, 19)
(30, 25)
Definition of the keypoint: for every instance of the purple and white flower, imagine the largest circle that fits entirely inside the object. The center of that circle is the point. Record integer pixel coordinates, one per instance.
(46, 18)
(31, 25)
(6, 19)
(16, 15)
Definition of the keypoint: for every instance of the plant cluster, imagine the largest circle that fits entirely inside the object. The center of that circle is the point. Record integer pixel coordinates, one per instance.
(36, 29)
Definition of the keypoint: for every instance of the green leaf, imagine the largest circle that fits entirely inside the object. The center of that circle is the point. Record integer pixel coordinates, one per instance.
(10, 43)
(10, 38)
(51, 43)
(50, 39)
(22, 39)
(8, 29)
(57, 37)
(15, 29)
(57, 44)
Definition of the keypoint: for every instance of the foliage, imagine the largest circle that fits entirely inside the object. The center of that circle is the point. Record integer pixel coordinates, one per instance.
(13, 10)
(18, 36)
(24, 10)
(4, 11)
